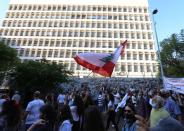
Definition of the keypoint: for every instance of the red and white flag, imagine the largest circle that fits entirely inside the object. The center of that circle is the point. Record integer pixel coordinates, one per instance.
(101, 63)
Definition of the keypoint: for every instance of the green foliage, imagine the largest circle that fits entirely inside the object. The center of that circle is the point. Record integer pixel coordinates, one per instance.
(172, 55)
(42, 76)
(8, 57)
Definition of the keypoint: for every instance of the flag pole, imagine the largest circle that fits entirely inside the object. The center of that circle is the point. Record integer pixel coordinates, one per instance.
(158, 46)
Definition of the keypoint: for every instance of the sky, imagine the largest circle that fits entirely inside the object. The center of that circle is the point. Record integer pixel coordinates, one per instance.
(169, 19)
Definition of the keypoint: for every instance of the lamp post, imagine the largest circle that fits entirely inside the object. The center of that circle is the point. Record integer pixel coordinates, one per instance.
(158, 46)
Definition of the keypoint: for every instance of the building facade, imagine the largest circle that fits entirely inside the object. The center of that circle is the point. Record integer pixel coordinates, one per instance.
(57, 30)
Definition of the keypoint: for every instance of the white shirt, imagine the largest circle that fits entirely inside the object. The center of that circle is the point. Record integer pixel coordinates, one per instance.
(74, 113)
(61, 98)
(116, 98)
(66, 126)
(16, 97)
(110, 105)
(33, 108)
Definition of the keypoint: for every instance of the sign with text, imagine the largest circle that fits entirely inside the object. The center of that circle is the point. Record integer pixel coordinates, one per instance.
(174, 84)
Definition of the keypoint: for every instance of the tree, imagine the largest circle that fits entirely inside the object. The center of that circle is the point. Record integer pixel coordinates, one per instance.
(172, 55)
(8, 59)
(42, 76)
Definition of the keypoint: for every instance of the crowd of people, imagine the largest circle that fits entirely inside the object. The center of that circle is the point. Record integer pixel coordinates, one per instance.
(109, 107)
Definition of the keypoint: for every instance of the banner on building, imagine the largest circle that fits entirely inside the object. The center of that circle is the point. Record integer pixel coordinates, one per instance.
(174, 84)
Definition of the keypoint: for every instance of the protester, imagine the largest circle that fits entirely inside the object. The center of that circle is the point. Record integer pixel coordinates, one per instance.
(100, 101)
(49, 99)
(141, 105)
(93, 119)
(111, 112)
(116, 98)
(33, 110)
(16, 97)
(77, 109)
(2, 100)
(66, 119)
(10, 117)
(47, 120)
(171, 106)
(61, 99)
(130, 120)
(166, 124)
(158, 112)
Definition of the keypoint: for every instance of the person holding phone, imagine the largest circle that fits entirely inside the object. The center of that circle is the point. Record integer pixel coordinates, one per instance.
(47, 120)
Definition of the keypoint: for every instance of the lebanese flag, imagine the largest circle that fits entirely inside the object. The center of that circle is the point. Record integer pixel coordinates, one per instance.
(101, 63)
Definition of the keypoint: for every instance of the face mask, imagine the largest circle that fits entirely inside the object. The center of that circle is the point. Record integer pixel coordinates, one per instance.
(154, 105)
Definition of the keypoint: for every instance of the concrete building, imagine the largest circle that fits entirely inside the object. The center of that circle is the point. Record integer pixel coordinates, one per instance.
(57, 30)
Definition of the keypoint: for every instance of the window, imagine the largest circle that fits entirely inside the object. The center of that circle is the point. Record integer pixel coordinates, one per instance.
(50, 53)
(146, 56)
(135, 68)
(121, 35)
(139, 46)
(145, 46)
(149, 36)
(142, 68)
(38, 53)
(33, 53)
(123, 68)
(148, 68)
(135, 56)
(137, 26)
(151, 46)
(140, 56)
(128, 56)
(61, 53)
(87, 34)
(138, 36)
(81, 34)
(98, 34)
(154, 68)
(46, 43)
(92, 34)
(86, 44)
(127, 35)
(152, 57)
(56, 53)
(140, 10)
(52, 43)
(76, 34)
(27, 52)
(133, 45)
(129, 68)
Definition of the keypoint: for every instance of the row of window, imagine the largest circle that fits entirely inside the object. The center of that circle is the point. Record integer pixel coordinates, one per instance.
(76, 33)
(77, 24)
(137, 68)
(39, 15)
(71, 53)
(134, 67)
(78, 43)
(78, 8)
(129, 68)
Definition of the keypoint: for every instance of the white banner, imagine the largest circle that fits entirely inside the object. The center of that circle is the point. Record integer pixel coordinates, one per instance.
(174, 84)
